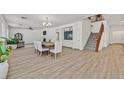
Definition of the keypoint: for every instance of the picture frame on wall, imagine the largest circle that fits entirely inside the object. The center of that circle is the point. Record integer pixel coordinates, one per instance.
(44, 32)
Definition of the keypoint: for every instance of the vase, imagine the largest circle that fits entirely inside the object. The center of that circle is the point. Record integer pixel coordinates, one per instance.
(13, 46)
(3, 70)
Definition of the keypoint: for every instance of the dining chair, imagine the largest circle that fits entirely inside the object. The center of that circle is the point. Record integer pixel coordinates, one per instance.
(57, 48)
(35, 46)
(40, 48)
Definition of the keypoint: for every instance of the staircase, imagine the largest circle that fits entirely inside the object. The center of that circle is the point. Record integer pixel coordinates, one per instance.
(91, 43)
(94, 40)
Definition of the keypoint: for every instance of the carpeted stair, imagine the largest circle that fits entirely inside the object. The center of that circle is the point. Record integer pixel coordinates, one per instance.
(91, 43)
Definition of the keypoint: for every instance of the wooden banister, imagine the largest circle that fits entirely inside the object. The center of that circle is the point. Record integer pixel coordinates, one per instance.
(99, 36)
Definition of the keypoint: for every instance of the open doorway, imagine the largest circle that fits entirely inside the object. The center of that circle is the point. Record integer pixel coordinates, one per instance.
(57, 36)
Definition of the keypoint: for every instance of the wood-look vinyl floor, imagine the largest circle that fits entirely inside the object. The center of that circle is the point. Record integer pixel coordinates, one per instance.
(71, 64)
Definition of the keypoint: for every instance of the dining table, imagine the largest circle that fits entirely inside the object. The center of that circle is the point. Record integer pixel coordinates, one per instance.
(48, 45)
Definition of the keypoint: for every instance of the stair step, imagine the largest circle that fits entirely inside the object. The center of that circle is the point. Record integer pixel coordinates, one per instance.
(89, 48)
(91, 43)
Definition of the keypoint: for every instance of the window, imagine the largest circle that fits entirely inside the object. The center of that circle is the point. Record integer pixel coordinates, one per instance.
(68, 33)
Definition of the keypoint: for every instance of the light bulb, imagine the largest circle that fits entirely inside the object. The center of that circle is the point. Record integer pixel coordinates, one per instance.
(44, 23)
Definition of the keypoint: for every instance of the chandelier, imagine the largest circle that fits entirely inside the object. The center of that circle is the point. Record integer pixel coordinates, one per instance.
(47, 23)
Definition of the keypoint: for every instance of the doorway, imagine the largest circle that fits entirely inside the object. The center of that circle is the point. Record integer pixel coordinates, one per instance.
(57, 36)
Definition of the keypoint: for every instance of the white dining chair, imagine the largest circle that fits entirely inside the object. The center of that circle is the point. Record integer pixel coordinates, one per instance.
(40, 48)
(35, 46)
(57, 48)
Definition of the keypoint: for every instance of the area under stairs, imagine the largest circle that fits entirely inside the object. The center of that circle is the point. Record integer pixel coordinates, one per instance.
(91, 43)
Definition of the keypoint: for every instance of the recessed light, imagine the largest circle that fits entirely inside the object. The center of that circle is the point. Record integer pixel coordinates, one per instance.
(23, 17)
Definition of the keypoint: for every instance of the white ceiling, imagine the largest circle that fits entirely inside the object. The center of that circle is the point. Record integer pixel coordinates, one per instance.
(36, 20)
(115, 21)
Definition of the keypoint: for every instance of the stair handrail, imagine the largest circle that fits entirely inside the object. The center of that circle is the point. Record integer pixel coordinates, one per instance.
(99, 36)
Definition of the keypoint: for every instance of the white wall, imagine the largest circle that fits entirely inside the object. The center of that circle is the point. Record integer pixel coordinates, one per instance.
(75, 43)
(77, 29)
(81, 32)
(86, 31)
(96, 27)
(3, 27)
(51, 35)
(117, 34)
(28, 35)
(118, 37)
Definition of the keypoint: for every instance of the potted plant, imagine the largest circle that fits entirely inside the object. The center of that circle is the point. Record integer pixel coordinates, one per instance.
(12, 42)
(4, 55)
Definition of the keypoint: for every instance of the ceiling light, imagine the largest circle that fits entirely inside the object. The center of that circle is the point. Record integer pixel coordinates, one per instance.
(47, 23)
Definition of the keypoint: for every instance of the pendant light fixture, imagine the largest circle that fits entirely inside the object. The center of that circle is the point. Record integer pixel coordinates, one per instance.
(47, 23)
